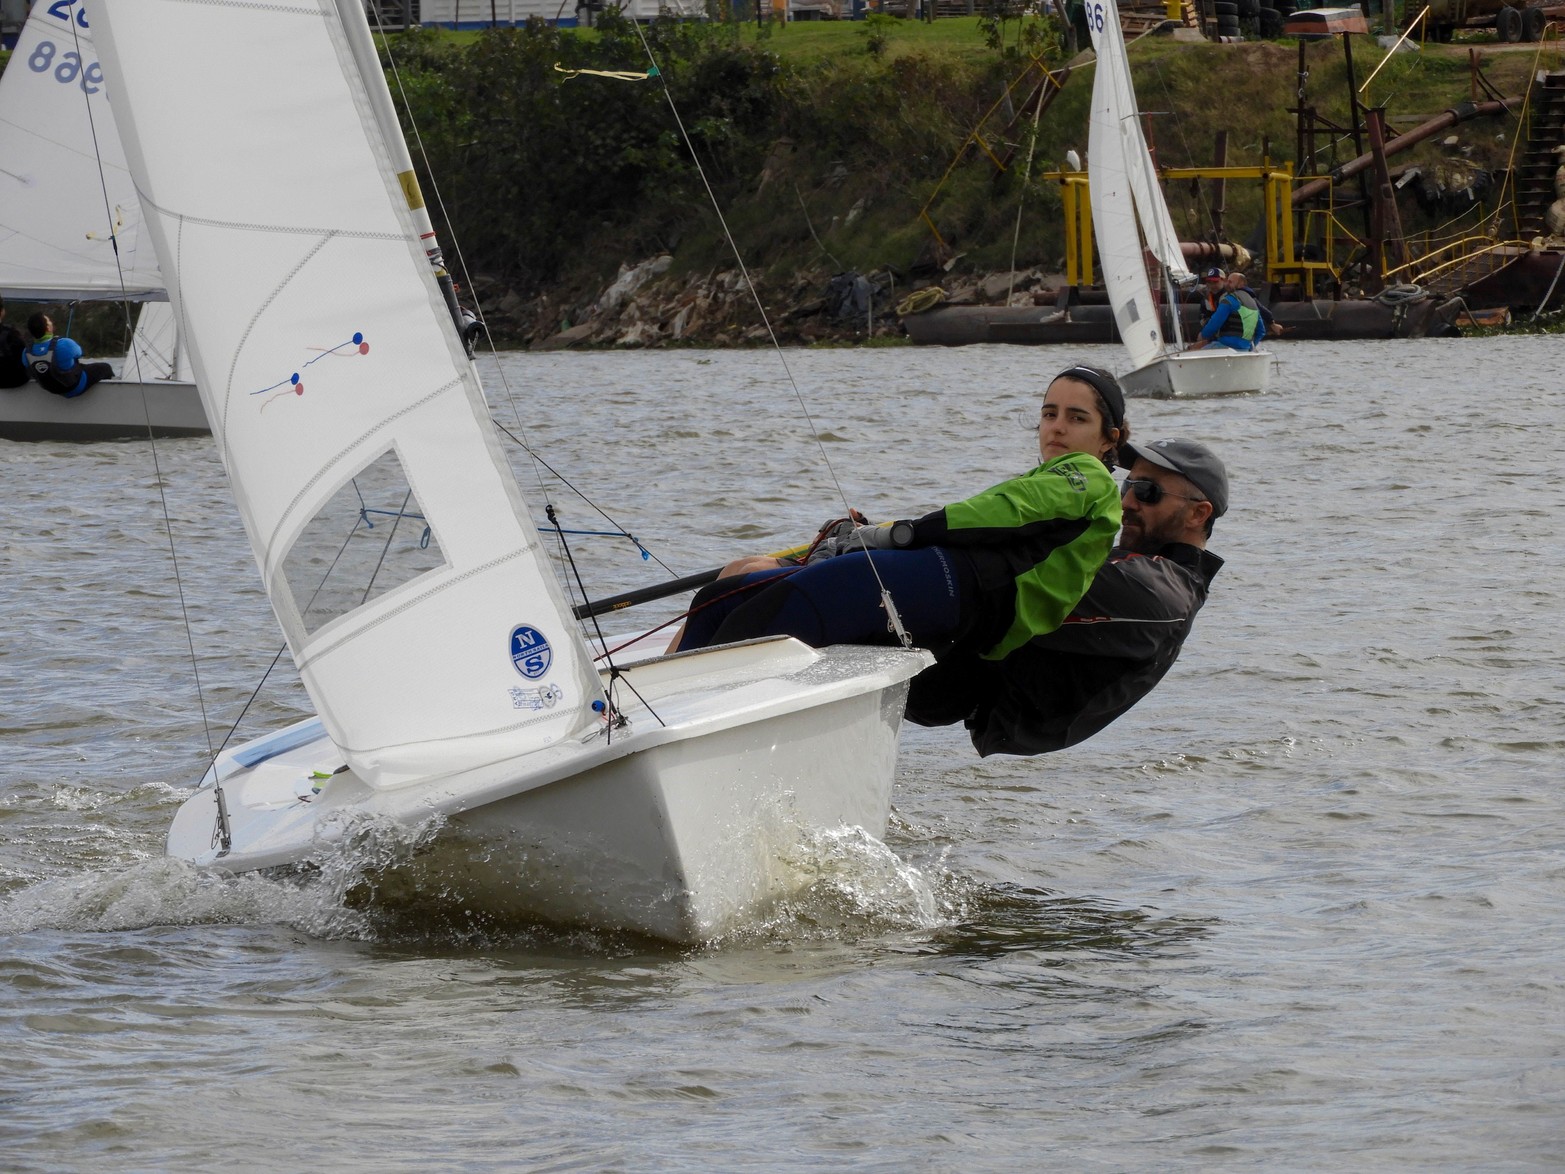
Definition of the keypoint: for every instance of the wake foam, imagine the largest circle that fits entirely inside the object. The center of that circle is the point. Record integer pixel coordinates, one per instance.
(316, 898)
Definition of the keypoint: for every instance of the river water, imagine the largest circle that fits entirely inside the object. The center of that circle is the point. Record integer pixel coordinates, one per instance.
(1301, 909)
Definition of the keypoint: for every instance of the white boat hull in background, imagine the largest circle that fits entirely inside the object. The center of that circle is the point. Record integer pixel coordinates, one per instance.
(682, 830)
(114, 409)
(1191, 374)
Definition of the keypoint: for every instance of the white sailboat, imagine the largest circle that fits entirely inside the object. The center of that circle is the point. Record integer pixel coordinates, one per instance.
(1131, 220)
(454, 689)
(71, 231)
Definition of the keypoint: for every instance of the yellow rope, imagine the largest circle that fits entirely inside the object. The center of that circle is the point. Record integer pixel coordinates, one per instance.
(924, 299)
(614, 74)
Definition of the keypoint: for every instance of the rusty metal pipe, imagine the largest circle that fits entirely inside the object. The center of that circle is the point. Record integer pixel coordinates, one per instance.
(1457, 114)
(1195, 251)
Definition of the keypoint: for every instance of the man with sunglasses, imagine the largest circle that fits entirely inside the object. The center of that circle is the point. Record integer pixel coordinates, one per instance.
(1122, 637)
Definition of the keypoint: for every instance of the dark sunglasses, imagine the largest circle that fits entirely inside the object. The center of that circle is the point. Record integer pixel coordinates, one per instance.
(1150, 492)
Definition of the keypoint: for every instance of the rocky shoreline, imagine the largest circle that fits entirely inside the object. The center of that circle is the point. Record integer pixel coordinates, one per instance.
(645, 306)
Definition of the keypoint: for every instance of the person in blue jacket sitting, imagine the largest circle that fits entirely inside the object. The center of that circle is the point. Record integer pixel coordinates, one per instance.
(56, 361)
(1239, 322)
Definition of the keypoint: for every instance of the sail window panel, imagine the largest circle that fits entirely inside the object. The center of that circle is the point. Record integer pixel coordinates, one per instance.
(369, 539)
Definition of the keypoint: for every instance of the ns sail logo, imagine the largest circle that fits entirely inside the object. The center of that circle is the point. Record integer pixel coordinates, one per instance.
(530, 652)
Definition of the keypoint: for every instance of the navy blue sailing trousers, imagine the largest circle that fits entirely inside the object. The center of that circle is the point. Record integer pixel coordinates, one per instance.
(837, 601)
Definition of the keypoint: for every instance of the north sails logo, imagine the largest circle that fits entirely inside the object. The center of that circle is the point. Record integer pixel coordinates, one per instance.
(530, 652)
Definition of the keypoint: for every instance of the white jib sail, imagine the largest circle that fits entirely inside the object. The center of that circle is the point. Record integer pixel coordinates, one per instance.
(154, 347)
(57, 230)
(338, 391)
(1115, 150)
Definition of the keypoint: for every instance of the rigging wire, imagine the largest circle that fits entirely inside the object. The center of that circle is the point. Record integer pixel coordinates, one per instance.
(653, 72)
(1206, 230)
(133, 360)
(611, 715)
(374, 12)
(891, 612)
(523, 441)
(259, 685)
(385, 547)
(620, 530)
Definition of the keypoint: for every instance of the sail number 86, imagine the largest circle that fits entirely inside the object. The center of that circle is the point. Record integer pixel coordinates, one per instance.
(69, 68)
(1095, 17)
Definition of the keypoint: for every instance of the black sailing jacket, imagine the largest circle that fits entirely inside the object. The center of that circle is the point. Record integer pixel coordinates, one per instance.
(1060, 688)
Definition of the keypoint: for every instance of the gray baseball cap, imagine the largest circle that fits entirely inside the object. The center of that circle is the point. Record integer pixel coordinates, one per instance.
(1194, 462)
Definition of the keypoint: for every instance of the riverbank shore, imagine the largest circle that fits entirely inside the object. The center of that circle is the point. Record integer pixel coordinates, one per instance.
(648, 306)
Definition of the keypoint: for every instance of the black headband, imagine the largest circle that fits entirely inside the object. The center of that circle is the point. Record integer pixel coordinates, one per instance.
(1104, 384)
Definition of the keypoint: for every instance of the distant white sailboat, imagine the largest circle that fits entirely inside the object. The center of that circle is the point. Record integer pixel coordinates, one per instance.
(1129, 221)
(70, 231)
(454, 688)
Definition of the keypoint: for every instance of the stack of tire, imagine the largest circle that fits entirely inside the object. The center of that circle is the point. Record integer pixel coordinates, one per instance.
(1519, 24)
(1227, 20)
(1272, 16)
(1263, 18)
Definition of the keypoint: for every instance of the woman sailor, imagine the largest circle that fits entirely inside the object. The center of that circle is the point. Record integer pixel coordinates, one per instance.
(983, 575)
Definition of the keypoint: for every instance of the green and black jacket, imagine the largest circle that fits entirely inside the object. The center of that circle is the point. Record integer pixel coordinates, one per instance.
(1034, 543)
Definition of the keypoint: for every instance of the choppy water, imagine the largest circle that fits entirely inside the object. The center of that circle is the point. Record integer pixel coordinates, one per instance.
(1300, 910)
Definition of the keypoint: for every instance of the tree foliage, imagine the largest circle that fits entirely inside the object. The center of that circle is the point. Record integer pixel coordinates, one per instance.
(531, 160)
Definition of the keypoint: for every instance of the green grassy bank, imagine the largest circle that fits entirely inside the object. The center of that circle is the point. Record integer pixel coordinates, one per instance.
(824, 142)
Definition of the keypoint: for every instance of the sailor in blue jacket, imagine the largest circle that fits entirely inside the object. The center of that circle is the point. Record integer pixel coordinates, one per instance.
(1239, 322)
(56, 362)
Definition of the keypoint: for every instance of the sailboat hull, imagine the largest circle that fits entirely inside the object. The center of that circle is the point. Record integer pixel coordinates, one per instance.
(115, 409)
(681, 831)
(1191, 374)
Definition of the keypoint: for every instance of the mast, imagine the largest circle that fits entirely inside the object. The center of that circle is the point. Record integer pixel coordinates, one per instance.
(362, 45)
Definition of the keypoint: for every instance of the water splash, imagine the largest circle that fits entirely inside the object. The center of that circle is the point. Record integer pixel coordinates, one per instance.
(853, 886)
(164, 891)
(322, 898)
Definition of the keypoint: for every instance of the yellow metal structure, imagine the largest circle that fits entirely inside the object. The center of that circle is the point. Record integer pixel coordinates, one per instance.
(1078, 228)
(1282, 261)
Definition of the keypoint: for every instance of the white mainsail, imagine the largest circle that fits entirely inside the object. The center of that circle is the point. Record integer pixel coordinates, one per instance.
(335, 383)
(1127, 203)
(61, 217)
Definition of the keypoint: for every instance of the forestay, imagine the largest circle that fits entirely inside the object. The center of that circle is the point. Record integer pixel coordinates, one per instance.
(338, 390)
(60, 215)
